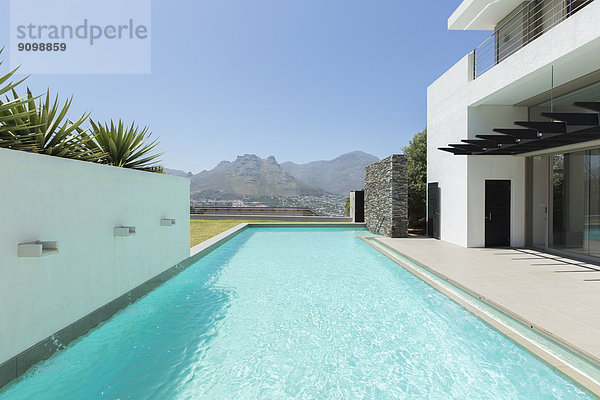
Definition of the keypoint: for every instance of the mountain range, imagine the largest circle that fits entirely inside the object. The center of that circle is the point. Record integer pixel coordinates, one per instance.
(339, 176)
(250, 177)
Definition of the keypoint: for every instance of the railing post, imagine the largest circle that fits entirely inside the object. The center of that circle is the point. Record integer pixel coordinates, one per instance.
(474, 63)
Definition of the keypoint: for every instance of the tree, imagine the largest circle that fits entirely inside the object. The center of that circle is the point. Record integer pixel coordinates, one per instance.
(347, 206)
(416, 159)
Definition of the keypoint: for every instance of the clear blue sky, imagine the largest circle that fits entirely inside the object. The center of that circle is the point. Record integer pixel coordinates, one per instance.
(302, 80)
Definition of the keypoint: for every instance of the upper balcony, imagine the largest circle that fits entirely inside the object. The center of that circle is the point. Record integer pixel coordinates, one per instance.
(481, 15)
(513, 28)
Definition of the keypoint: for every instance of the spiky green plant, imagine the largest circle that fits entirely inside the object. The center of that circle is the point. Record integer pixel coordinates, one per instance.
(44, 128)
(128, 147)
(10, 130)
(13, 134)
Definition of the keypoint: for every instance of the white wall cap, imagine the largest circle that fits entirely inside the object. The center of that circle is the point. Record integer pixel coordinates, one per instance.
(481, 15)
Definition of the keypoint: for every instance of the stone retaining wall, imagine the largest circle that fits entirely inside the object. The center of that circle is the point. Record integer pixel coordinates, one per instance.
(386, 197)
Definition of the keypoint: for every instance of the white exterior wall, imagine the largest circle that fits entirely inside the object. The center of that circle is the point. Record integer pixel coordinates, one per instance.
(447, 123)
(483, 119)
(460, 107)
(78, 204)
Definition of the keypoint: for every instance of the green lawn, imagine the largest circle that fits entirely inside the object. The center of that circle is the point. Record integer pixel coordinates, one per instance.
(201, 230)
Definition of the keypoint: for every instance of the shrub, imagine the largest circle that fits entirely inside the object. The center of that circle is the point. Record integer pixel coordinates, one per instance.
(416, 160)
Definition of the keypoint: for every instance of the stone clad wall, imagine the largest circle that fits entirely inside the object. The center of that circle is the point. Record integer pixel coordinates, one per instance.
(386, 197)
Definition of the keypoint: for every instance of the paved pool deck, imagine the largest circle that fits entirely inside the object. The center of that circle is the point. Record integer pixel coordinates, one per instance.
(555, 295)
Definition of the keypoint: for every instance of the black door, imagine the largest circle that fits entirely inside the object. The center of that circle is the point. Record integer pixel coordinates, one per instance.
(433, 210)
(497, 213)
(359, 206)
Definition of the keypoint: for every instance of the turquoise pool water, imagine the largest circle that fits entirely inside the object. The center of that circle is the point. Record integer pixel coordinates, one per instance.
(281, 313)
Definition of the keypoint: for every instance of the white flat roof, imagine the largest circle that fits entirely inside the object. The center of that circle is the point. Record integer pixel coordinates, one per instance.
(481, 15)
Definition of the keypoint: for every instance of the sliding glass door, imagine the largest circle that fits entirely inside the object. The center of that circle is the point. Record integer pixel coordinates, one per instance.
(574, 200)
(592, 229)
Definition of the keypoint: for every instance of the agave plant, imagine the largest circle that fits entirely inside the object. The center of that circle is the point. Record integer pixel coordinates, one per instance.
(128, 147)
(44, 128)
(10, 116)
(13, 134)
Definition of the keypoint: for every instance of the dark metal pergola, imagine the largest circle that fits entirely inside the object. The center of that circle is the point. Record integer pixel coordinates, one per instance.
(563, 129)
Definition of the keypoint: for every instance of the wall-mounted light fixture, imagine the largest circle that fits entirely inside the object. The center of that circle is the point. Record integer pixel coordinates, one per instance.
(167, 222)
(124, 230)
(37, 249)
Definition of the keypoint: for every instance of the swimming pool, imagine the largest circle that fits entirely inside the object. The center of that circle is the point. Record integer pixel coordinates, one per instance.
(288, 313)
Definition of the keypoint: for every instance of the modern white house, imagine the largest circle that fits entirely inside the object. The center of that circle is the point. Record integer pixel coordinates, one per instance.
(513, 131)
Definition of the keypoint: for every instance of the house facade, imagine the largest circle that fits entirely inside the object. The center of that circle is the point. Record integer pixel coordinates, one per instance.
(513, 131)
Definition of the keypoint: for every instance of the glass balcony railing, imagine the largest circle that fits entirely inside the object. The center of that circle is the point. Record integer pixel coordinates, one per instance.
(520, 28)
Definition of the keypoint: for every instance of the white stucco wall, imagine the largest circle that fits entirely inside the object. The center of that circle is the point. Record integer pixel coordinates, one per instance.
(462, 179)
(78, 204)
(484, 119)
(447, 123)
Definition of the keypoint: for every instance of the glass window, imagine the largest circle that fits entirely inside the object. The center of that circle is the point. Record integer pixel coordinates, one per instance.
(592, 229)
(568, 202)
(574, 220)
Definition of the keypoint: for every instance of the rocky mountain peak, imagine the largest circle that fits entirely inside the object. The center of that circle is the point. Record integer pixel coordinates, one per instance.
(250, 175)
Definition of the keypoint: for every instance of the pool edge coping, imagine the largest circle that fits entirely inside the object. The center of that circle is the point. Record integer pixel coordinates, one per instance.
(565, 343)
(586, 383)
(21, 363)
